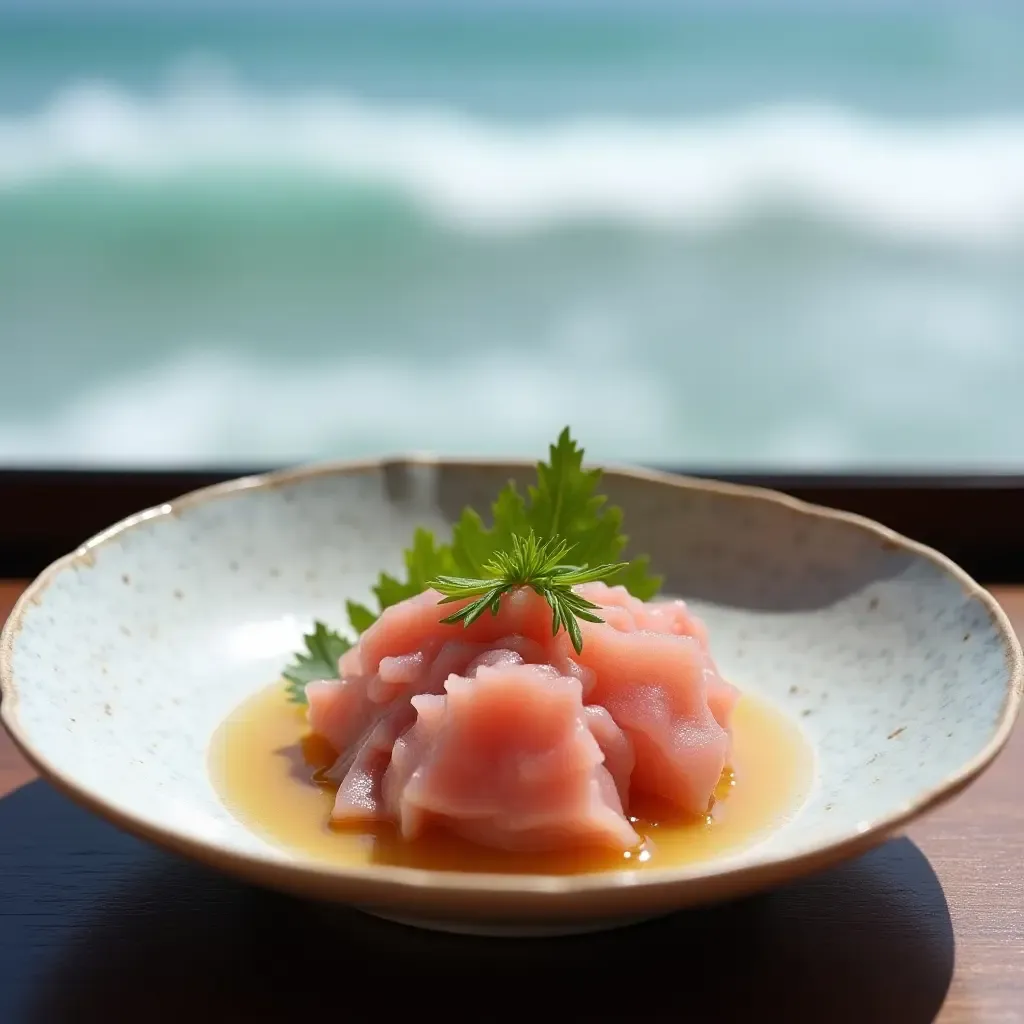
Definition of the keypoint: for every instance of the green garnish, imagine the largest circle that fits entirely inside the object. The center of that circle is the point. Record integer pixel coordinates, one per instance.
(532, 563)
(562, 508)
(423, 561)
(562, 504)
(323, 649)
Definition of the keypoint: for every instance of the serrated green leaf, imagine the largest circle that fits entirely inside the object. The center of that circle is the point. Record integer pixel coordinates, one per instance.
(390, 590)
(562, 506)
(563, 492)
(319, 661)
(474, 544)
(360, 616)
(563, 502)
(424, 560)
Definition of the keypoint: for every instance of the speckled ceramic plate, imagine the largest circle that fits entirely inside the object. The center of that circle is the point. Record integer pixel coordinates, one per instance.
(121, 660)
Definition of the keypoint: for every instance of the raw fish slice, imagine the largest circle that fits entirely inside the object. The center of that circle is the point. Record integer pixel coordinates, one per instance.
(407, 755)
(411, 625)
(507, 759)
(400, 672)
(567, 667)
(428, 678)
(404, 628)
(623, 611)
(673, 617)
(615, 616)
(616, 746)
(455, 659)
(678, 758)
(340, 710)
(655, 688)
(494, 659)
(491, 753)
(532, 652)
(345, 712)
(555, 834)
(520, 650)
(722, 698)
(522, 613)
(359, 794)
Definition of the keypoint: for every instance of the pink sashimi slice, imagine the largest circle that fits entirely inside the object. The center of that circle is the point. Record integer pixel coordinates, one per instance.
(410, 625)
(507, 758)
(401, 672)
(627, 613)
(359, 793)
(722, 698)
(362, 718)
(619, 757)
(340, 710)
(519, 650)
(502, 733)
(655, 687)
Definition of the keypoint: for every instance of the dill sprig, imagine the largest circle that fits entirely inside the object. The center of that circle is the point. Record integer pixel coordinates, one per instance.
(531, 563)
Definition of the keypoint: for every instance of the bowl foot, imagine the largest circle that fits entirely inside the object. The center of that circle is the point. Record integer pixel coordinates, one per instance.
(510, 930)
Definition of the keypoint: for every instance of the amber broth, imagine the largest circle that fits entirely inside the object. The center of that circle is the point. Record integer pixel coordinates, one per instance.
(267, 770)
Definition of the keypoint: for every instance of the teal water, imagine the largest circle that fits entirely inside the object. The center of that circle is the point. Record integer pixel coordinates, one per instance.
(771, 238)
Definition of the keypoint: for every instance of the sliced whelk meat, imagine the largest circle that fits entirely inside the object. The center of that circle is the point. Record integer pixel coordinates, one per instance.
(359, 793)
(400, 673)
(415, 623)
(340, 710)
(648, 710)
(507, 759)
(628, 614)
(616, 746)
(722, 698)
(655, 686)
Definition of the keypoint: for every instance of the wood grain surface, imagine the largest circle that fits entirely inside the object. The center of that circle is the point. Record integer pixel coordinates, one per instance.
(97, 926)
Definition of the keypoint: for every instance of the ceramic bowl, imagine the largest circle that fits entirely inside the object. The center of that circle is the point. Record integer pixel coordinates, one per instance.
(121, 659)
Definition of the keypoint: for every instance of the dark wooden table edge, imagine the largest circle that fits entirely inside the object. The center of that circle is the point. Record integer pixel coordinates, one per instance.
(975, 519)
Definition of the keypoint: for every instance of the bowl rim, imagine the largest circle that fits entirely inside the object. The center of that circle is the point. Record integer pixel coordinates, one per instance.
(387, 884)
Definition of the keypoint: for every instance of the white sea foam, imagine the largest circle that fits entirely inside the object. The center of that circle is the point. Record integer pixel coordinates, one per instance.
(210, 406)
(954, 183)
(215, 407)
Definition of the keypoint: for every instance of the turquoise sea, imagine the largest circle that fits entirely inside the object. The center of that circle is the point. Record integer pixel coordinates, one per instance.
(738, 237)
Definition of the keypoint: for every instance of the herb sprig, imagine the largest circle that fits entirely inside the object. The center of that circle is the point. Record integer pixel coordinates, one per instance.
(540, 565)
(320, 661)
(563, 506)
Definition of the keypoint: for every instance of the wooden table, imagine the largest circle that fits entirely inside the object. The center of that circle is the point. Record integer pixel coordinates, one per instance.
(97, 926)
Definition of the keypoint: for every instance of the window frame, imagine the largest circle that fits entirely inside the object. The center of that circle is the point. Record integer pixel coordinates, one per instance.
(977, 520)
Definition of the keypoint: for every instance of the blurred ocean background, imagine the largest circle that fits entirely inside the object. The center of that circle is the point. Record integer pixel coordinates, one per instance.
(743, 236)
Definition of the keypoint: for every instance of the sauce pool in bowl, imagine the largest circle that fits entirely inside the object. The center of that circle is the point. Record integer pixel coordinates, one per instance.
(269, 771)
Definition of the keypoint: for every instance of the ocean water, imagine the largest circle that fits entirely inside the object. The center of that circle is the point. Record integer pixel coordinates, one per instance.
(744, 239)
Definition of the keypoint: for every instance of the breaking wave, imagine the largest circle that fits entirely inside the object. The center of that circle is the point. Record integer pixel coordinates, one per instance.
(947, 182)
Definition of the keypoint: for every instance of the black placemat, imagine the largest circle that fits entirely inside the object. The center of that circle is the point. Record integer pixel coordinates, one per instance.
(98, 926)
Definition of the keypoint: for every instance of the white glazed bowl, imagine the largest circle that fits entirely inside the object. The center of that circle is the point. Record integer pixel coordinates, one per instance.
(122, 658)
